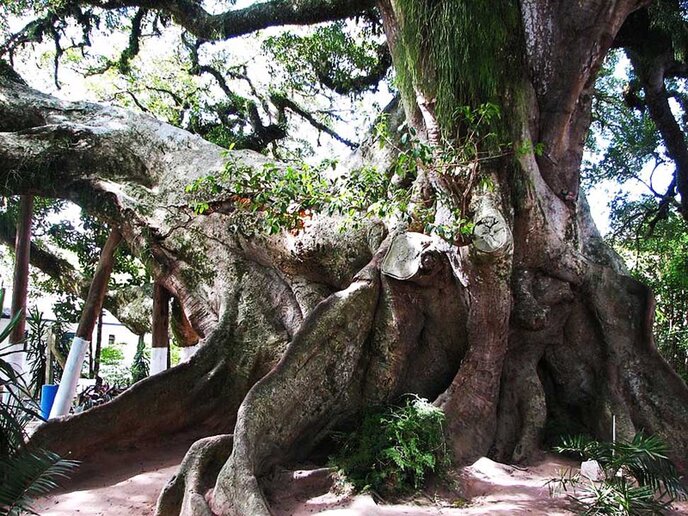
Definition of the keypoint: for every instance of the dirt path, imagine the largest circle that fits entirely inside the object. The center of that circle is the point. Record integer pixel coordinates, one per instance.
(121, 483)
(128, 483)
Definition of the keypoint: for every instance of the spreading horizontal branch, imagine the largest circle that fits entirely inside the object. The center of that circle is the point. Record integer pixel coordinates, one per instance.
(233, 23)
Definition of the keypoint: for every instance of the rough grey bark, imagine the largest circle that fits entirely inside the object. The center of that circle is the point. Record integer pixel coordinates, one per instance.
(534, 325)
(185, 492)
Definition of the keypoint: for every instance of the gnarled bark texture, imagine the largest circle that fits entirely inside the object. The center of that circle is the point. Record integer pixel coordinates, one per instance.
(532, 328)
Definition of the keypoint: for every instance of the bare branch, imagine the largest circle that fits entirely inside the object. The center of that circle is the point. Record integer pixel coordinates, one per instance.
(230, 24)
(283, 102)
(651, 73)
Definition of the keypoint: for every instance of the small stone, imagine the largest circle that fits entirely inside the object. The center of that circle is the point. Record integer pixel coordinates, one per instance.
(592, 470)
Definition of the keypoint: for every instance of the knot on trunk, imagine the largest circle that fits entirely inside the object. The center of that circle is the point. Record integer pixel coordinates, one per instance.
(491, 233)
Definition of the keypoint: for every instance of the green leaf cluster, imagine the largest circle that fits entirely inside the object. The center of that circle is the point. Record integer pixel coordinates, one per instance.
(140, 367)
(270, 199)
(36, 343)
(622, 140)
(335, 56)
(670, 17)
(394, 449)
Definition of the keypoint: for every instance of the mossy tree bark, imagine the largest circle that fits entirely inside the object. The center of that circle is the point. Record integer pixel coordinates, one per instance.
(533, 327)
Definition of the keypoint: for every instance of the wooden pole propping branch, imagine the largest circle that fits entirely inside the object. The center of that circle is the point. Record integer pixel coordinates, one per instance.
(89, 316)
(161, 328)
(185, 335)
(49, 356)
(20, 286)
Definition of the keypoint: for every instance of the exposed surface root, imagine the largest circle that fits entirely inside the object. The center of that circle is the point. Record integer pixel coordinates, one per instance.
(301, 397)
(170, 401)
(184, 494)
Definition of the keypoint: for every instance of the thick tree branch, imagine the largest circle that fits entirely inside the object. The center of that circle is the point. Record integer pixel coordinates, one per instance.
(245, 110)
(132, 170)
(230, 24)
(283, 102)
(565, 45)
(651, 73)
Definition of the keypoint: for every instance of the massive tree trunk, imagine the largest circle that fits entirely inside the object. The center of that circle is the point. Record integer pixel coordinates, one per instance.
(531, 328)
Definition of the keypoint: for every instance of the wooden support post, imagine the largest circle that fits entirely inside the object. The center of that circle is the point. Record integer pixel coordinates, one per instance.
(89, 315)
(161, 326)
(49, 356)
(184, 334)
(20, 286)
(99, 348)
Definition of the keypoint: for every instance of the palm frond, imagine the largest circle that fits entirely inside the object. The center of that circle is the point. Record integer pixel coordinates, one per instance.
(16, 412)
(8, 329)
(646, 458)
(639, 476)
(28, 475)
(579, 446)
(620, 498)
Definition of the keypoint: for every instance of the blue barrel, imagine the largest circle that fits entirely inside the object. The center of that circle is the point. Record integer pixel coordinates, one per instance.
(48, 393)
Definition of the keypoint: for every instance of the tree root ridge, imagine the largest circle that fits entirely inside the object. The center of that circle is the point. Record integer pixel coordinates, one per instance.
(574, 363)
(167, 410)
(184, 494)
(319, 365)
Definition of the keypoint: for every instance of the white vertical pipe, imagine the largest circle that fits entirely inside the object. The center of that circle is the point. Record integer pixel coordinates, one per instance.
(158, 360)
(16, 359)
(613, 428)
(70, 378)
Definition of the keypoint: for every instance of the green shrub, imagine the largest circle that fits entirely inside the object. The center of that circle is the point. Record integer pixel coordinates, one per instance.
(395, 448)
(638, 478)
(111, 356)
(113, 370)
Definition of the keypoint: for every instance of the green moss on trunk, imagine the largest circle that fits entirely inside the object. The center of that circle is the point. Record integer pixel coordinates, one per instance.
(459, 52)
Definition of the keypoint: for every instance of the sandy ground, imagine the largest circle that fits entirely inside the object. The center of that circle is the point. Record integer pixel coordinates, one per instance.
(123, 483)
(128, 483)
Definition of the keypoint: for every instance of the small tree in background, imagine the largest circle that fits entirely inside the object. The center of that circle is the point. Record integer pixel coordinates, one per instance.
(140, 367)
